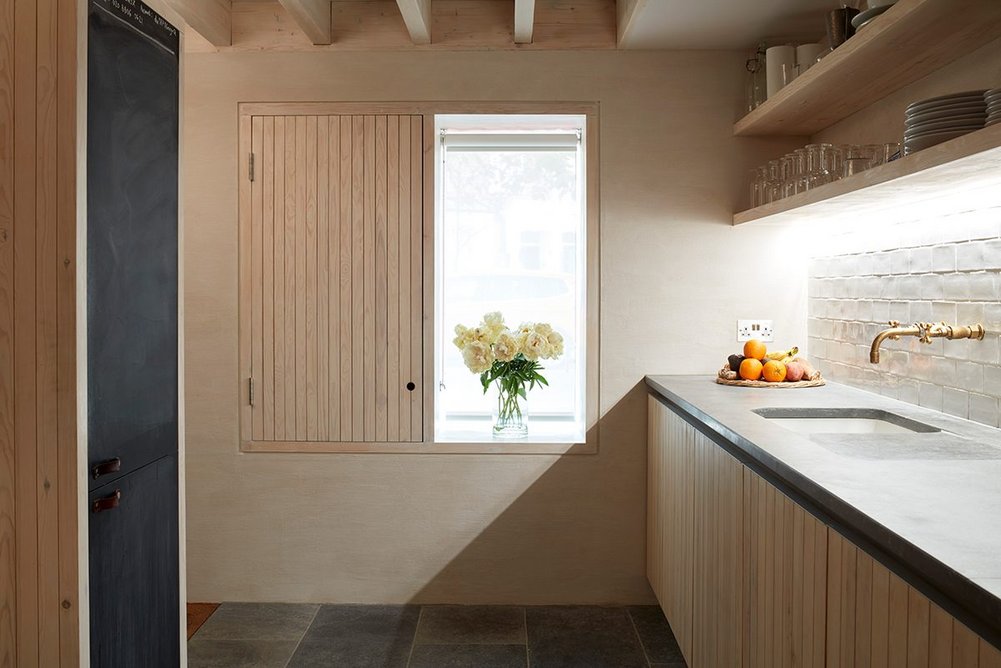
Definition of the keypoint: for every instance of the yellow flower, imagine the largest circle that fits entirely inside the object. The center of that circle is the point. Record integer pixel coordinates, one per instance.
(477, 356)
(462, 337)
(555, 345)
(506, 346)
(493, 324)
(534, 346)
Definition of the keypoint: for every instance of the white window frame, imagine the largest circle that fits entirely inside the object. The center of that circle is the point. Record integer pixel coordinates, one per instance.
(573, 130)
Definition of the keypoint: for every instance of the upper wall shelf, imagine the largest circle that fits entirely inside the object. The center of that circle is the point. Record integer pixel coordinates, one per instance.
(912, 39)
(966, 169)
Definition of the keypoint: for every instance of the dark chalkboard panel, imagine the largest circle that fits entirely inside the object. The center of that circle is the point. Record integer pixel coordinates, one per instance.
(132, 188)
(134, 591)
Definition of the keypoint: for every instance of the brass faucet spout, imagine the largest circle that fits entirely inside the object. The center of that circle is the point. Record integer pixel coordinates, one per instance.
(925, 332)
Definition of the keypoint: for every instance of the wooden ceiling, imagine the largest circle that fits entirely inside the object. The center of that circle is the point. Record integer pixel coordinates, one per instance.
(296, 25)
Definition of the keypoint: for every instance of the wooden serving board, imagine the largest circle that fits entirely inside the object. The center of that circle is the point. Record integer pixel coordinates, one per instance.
(816, 382)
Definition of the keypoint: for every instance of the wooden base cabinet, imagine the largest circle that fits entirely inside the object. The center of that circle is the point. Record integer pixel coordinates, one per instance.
(747, 577)
(671, 518)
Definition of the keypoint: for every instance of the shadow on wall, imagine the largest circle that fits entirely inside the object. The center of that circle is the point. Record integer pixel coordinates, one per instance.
(517, 547)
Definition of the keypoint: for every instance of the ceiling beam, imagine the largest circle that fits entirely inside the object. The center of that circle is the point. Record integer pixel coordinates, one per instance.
(524, 21)
(417, 16)
(313, 16)
(212, 19)
(627, 18)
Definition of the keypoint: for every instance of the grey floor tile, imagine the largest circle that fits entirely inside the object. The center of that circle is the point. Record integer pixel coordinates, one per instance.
(471, 625)
(374, 636)
(258, 621)
(469, 656)
(225, 653)
(656, 635)
(582, 637)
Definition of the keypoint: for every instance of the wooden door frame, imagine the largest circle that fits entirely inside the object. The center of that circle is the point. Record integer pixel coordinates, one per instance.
(429, 110)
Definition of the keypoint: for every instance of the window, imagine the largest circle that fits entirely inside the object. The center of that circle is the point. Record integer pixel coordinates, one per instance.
(511, 236)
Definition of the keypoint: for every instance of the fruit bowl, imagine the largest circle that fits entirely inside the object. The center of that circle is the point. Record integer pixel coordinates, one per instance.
(728, 377)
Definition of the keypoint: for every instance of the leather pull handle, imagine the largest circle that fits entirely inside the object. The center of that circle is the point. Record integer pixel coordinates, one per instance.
(104, 468)
(109, 502)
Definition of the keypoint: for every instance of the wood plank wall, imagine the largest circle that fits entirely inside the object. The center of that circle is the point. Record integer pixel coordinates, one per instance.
(38, 438)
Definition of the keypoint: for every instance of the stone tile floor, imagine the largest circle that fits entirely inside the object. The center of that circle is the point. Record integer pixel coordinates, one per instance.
(434, 636)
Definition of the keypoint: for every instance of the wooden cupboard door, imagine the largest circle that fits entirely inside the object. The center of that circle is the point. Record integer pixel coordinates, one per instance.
(718, 594)
(671, 528)
(784, 576)
(331, 217)
(875, 619)
(134, 570)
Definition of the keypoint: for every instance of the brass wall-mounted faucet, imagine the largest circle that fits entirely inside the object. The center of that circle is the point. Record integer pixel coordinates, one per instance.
(925, 331)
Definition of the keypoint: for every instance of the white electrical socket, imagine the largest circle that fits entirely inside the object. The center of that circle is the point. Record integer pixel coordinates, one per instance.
(755, 329)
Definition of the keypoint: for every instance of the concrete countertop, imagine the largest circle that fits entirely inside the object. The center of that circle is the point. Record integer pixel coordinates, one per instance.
(927, 505)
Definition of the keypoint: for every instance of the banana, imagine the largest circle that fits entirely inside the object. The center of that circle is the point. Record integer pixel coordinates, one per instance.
(783, 356)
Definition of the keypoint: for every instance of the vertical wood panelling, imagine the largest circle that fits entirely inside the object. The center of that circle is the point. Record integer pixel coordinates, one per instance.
(863, 610)
(406, 330)
(380, 280)
(897, 629)
(309, 289)
(344, 251)
(394, 380)
(965, 647)
(368, 281)
(784, 576)
(291, 413)
(257, 271)
(939, 637)
(8, 450)
(321, 335)
(417, 231)
(918, 611)
(38, 430)
(267, 399)
(880, 618)
(333, 278)
(332, 319)
(990, 656)
(299, 278)
(278, 221)
(718, 556)
(358, 277)
(68, 599)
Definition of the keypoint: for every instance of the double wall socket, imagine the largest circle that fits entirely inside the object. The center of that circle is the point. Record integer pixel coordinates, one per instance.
(755, 329)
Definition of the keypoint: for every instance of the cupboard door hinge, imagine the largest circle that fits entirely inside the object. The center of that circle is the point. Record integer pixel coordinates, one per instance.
(250, 169)
(250, 391)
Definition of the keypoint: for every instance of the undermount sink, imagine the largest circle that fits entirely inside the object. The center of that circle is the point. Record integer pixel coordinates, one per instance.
(843, 421)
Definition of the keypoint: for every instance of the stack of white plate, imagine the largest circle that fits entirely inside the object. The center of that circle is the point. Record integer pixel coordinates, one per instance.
(876, 7)
(993, 99)
(938, 119)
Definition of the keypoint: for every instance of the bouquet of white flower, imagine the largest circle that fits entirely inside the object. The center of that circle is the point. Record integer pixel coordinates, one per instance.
(509, 358)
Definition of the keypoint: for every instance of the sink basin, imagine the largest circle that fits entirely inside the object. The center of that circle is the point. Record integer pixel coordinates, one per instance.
(843, 421)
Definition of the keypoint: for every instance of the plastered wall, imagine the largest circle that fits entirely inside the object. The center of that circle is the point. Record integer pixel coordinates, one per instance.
(675, 276)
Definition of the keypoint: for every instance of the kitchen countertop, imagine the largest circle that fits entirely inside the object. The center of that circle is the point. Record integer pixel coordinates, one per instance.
(929, 502)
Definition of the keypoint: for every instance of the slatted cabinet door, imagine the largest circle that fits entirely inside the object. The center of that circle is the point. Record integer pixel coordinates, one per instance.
(331, 271)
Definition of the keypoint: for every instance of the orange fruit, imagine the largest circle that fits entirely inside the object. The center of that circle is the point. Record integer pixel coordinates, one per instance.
(750, 369)
(755, 349)
(774, 371)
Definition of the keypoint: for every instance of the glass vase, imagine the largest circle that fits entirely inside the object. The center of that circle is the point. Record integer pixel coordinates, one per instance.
(511, 416)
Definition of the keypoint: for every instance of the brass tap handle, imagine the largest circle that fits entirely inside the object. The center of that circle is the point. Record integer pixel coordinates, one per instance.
(924, 332)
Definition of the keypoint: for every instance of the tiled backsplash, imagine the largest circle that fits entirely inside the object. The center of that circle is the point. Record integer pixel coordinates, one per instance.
(926, 271)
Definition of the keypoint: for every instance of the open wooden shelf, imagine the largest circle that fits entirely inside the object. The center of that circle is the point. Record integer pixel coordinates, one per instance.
(967, 164)
(910, 40)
